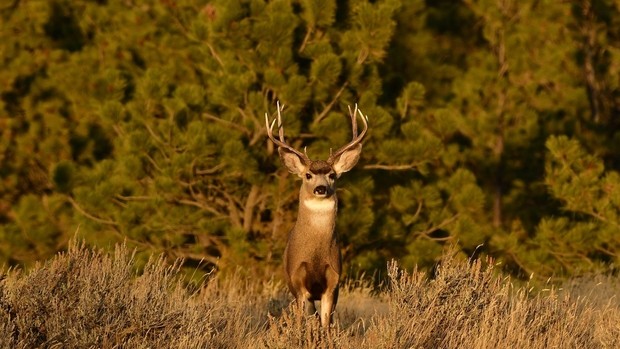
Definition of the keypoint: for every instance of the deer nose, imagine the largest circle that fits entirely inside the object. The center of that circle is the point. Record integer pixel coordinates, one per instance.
(320, 190)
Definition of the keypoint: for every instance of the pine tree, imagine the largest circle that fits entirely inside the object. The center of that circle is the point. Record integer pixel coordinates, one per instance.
(587, 236)
(144, 122)
(165, 142)
(37, 127)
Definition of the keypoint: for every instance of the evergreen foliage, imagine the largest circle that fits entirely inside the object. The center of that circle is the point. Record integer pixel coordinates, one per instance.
(493, 125)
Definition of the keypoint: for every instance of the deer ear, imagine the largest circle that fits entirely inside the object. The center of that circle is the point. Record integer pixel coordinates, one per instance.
(292, 162)
(348, 159)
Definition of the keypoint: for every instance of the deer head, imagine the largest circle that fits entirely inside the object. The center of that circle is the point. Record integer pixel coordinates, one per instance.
(319, 176)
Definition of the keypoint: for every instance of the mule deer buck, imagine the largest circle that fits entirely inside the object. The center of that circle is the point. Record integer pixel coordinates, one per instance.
(312, 256)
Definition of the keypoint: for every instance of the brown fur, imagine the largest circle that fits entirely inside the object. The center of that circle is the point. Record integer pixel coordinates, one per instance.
(320, 167)
(312, 257)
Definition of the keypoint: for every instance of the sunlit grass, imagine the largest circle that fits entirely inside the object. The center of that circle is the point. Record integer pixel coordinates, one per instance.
(90, 299)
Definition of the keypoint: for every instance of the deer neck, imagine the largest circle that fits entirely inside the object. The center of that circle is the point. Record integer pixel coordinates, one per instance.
(319, 214)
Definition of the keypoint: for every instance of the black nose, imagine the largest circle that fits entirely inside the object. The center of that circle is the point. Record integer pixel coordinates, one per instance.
(320, 190)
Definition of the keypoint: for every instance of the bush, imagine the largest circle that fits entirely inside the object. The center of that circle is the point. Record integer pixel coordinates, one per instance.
(89, 299)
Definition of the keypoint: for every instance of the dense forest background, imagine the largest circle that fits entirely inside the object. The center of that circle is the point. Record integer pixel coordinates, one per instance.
(494, 126)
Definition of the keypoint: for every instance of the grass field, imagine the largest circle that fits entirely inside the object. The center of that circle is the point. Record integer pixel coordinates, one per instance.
(91, 299)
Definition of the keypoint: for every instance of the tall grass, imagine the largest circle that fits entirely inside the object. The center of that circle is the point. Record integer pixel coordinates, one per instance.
(86, 298)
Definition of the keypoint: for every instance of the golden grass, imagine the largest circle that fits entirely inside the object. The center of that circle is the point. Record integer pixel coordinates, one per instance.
(90, 299)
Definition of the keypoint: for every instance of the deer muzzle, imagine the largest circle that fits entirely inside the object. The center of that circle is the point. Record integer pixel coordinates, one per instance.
(320, 190)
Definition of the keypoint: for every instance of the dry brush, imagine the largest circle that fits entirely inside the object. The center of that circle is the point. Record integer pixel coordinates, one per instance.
(87, 298)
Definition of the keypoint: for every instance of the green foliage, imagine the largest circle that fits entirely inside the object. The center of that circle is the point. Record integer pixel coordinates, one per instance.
(492, 127)
(580, 180)
(319, 13)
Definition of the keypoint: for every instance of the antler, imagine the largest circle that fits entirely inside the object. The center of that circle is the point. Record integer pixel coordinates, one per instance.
(356, 139)
(281, 142)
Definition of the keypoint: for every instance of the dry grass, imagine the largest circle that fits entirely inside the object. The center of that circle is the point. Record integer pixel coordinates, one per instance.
(90, 299)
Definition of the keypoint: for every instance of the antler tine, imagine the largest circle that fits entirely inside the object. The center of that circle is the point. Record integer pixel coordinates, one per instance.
(280, 128)
(353, 116)
(281, 142)
(356, 138)
(354, 121)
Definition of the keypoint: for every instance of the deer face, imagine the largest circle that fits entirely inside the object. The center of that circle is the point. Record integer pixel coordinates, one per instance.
(319, 179)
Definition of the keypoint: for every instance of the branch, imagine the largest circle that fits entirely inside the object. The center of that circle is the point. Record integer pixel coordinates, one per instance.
(254, 120)
(258, 134)
(209, 171)
(417, 212)
(119, 131)
(229, 203)
(601, 217)
(215, 55)
(201, 206)
(305, 41)
(431, 230)
(178, 253)
(250, 203)
(134, 198)
(195, 202)
(155, 136)
(227, 123)
(519, 263)
(390, 167)
(152, 161)
(331, 104)
(88, 215)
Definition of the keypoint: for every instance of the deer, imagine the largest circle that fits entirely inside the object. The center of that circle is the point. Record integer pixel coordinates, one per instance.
(312, 258)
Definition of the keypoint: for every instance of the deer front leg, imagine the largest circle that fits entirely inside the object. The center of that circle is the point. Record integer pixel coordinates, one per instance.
(330, 297)
(298, 288)
(307, 304)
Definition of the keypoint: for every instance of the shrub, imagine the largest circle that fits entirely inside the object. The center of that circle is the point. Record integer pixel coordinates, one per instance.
(90, 299)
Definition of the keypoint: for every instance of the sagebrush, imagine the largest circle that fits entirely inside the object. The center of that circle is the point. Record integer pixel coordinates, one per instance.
(87, 298)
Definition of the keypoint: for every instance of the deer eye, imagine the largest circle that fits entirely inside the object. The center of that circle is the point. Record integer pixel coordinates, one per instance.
(308, 176)
(332, 176)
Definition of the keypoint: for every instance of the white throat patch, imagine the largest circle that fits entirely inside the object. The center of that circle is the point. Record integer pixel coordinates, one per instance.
(322, 213)
(320, 205)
